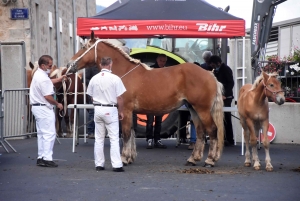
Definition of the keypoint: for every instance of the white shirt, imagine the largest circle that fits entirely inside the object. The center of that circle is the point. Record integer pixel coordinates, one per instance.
(105, 87)
(41, 86)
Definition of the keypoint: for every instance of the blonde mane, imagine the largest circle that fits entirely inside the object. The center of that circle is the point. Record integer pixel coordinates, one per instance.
(123, 53)
(58, 72)
(260, 77)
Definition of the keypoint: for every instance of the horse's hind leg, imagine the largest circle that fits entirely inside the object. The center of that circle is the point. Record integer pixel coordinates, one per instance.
(247, 162)
(211, 130)
(197, 153)
(129, 148)
(266, 143)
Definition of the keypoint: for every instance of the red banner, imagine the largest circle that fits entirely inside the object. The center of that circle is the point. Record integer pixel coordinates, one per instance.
(160, 28)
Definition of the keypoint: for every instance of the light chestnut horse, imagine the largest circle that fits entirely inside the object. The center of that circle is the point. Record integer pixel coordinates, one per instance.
(160, 91)
(253, 109)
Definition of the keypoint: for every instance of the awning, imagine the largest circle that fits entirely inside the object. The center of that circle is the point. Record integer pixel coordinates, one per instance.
(162, 18)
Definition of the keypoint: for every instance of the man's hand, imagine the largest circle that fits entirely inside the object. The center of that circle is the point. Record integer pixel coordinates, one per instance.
(223, 97)
(59, 106)
(121, 116)
(63, 77)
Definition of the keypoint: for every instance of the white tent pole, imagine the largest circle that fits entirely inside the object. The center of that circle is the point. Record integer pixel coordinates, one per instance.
(75, 111)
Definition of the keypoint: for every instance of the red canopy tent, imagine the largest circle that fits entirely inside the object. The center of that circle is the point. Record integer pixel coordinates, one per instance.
(161, 18)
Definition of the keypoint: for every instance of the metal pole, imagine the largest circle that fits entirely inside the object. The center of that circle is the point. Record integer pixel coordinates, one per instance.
(84, 102)
(243, 83)
(235, 72)
(75, 110)
(74, 28)
(57, 34)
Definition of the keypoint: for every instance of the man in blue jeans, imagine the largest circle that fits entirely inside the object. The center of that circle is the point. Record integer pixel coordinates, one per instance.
(193, 137)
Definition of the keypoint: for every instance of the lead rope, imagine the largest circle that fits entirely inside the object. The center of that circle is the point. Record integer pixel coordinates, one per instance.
(130, 70)
(65, 92)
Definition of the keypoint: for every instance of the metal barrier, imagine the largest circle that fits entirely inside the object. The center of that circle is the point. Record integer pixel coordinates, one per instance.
(16, 117)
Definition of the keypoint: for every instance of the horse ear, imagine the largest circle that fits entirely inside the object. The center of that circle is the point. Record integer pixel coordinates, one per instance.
(265, 75)
(92, 35)
(31, 65)
(64, 71)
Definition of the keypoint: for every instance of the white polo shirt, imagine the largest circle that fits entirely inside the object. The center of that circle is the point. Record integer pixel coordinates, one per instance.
(41, 86)
(105, 87)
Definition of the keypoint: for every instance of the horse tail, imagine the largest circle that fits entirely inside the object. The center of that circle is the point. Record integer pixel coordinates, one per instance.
(218, 115)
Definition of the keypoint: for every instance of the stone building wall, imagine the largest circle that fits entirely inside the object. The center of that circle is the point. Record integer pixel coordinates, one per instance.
(38, 36)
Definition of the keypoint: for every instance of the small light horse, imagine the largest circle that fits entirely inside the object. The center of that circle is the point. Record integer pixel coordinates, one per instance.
(160, 91)
(253, 109)
(65, 96)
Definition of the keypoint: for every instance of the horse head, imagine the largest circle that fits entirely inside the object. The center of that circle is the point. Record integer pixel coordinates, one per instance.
(273, 88)
(77, 62)
(55, 73)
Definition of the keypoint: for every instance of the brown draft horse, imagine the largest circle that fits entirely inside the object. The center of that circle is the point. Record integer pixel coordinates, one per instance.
(160, 91)
(66, 97)
(253, 109)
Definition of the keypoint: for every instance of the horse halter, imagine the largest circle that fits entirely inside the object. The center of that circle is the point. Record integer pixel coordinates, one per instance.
(273, 92)
(74, 63)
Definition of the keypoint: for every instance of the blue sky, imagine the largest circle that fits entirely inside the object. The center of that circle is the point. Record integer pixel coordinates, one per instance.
(243, 8)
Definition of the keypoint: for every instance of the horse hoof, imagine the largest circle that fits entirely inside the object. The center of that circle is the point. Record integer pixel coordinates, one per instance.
(247, 164)
(269, 169)
(188, 163)
(257, 168)
(208, 165)
(125, 164)
(130, 161)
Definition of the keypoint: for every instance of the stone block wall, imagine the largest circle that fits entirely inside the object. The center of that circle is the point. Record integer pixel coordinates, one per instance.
(35, 32)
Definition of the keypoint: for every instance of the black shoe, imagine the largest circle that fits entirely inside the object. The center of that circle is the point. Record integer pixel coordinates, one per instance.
(40, 162)
(159, 144)
(120, 169)
(91, 136)
(49, 163)
(99, 168)
(228, 144)
(149, 144)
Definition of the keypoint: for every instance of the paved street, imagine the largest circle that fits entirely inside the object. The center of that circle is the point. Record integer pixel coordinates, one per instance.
(157, 174)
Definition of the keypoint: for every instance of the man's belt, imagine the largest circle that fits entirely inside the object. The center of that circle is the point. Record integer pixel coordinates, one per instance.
(106, 105)
(38, 104)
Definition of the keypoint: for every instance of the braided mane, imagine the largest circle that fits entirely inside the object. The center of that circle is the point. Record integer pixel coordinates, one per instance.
(124, 54)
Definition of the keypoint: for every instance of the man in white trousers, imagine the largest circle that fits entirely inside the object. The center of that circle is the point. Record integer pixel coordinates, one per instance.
(42, 101)
(106, 90)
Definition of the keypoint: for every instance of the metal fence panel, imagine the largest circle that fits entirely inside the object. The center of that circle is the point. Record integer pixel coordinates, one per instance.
(17, 118)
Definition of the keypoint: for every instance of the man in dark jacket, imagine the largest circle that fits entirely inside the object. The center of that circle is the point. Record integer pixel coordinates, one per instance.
(89, 73)
(160, 63)
(224, 75)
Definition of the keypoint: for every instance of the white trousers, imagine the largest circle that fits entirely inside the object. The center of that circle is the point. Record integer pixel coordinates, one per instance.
(107, 118)
(45, 125)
